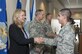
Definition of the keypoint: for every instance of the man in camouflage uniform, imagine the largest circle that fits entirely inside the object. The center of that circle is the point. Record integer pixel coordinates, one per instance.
(36, 30)
(47, 26)
(49, 33)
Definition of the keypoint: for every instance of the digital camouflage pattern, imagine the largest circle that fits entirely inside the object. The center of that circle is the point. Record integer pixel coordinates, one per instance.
(65, 40)
(36, 30)
(48, 30)
(47, 27)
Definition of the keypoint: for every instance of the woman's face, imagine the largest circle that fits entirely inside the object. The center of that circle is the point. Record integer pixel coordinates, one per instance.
(21, 17)
(60, 18)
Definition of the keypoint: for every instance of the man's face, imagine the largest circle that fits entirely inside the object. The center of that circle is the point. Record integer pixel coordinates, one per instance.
(49, 17)
(41, 15)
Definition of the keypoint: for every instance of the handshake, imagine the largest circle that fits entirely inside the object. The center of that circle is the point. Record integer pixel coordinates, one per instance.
(38, 40)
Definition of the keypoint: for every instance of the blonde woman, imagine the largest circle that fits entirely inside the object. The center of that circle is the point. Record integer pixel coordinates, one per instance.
(19, 41)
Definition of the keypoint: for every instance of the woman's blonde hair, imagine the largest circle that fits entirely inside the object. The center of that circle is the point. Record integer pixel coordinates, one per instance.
(16, 15)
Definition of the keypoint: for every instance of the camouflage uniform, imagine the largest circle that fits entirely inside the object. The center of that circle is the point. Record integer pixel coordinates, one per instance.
(48, 29)
(65, 40)
(36, 30)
